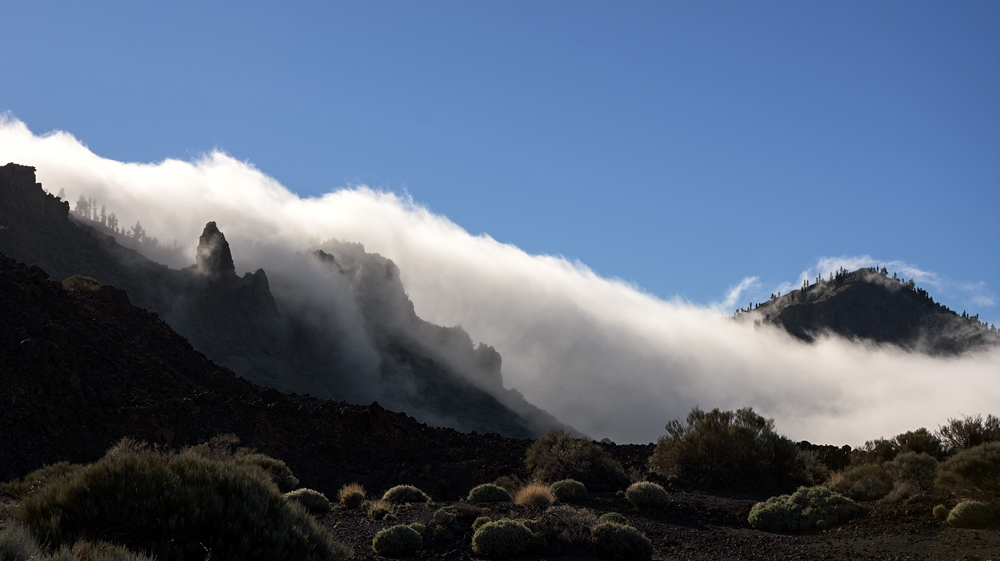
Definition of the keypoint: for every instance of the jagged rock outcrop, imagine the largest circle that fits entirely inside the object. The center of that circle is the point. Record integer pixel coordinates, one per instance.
(213, 258)
(867, 304)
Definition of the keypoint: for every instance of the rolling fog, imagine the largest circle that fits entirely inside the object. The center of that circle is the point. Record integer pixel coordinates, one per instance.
(599, 354)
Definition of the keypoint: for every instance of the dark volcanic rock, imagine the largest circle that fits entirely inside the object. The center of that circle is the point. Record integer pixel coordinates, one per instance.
(214, 258)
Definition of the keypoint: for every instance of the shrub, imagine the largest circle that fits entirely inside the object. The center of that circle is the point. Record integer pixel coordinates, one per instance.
(225, 448)
(613, 517)
(461, 514)
(969, 432)
(618, 541)
(397, 541)
(865, 482)
(646, 494)
(178, 505)
(558, 455)
(102, 551)
(970, 514)
(973, 473)
(564, 529)
(920, 441)
(809, 507)
(479, 522)
(351, 495)
(535, 495)
(489, 493)
(941, 512)
(17, 544)
(724, 448)
(419, 528)
(813, 467)
(314, 501)
(380, 509)
(568, 490)
(405, 494)
(34, 482)
(504, 538)
(913, 467)
(81, 283)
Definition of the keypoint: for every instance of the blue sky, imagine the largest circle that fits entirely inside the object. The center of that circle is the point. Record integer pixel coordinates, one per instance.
(679, 146)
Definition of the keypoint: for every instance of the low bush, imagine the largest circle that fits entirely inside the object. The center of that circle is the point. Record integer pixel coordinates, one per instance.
(564, 529)
(34, 482)
(178, 506)
(969, 432)
(813, 467)
(314, 501)
(806, 508)
(535, 495)
(971, 514)
(419, 528)
(972, 473)
(941, 512)
(380, 509)
(613, 517)
(558, 455)
(102, 551)
(405, 494)
(618, 541)
(488, 493)
(461, 515)
(646, 494)
(225, 448)
(504, 538)
(351, 495)
(865, 482)
(724, 448)
(17, 544)
(81, 283)
(479, 522)
(913, 467)
(568, 490)
(398, 541)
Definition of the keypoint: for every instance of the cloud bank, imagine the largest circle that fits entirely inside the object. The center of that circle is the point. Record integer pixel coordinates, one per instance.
(599, 354)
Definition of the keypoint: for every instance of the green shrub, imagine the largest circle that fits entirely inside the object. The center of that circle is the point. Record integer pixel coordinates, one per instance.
(913, 467)
(460, 514)
(103, 551)
(558, 455)
(380, 510)
(419, 528)
(920, 441)
(81, 284)
(314, 501)
(17, 544)
(34, 482)
(972, 473)
(351, 495)
(970, 514)
(564, 529)
(535, 495)
(807, 508)
(179, 506)
(398, 541)
(865, 482)
(969, 432)
(568, 490)
(941, 512)
(489, 493)
(225, 448)
(618, 541)
(405, 494)
(724, 448)
(646, 494)
(613, 517)
(479, 522)
(504, 538)
(812, 466)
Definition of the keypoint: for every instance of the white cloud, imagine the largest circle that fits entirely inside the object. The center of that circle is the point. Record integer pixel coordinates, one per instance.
(597, 353)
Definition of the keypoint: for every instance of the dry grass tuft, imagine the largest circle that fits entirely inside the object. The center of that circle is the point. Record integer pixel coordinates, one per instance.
(351, 495)
(535, 495)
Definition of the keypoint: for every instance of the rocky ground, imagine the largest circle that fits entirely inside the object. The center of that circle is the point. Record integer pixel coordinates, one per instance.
(80, 370)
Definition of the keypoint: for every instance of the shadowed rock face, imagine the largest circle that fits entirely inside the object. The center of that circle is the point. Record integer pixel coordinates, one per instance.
(430, 371)
(869, 305)
(213, 257)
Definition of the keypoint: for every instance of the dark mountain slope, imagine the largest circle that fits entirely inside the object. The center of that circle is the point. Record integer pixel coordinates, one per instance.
(867, 304)
(283, 342)
(80, 370)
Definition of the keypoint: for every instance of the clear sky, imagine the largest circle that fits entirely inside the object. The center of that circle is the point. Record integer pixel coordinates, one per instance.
(683, 147)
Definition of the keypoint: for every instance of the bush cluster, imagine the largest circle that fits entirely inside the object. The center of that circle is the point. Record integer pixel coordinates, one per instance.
(724, 448)
(397, 541)
(564, 529)
(646, 494)
(488, 493)
(558, 455)
(180, 505)
(971, 514)
(405, 494)
(973, 473)
(807, 508)
(618, 541)
(969, 432)
(504, 538)
(568, 491)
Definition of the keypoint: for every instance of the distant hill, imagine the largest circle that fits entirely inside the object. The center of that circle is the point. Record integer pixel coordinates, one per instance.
(868, 304)
(276, 338)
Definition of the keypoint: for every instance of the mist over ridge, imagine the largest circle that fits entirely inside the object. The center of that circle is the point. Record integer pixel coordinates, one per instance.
(597, 353)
